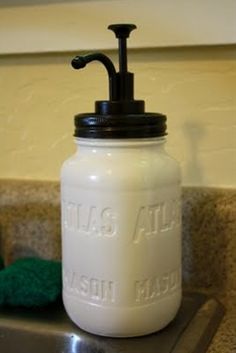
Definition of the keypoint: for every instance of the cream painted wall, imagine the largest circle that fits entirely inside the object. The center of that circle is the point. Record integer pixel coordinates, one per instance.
(195, 87)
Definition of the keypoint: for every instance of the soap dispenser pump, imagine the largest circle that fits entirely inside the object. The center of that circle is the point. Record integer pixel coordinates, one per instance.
(121, 115)
(121, 212)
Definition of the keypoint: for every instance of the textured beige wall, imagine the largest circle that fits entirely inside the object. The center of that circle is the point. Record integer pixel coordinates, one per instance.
(195, 87)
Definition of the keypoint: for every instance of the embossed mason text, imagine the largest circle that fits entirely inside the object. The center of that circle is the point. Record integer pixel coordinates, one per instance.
(89, 220)
(155, 219)
(89, 289)
(152, 289)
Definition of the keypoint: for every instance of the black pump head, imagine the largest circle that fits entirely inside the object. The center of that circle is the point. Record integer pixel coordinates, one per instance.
(121, 116)
(121, 84)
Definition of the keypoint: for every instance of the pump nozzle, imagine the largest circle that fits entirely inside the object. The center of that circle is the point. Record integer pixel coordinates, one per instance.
(79, 62)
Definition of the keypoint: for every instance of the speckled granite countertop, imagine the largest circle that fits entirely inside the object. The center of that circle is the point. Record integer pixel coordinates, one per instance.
(30, 226)
(225, 339)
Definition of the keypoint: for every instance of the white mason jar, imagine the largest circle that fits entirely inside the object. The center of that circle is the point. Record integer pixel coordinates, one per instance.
(121, 236)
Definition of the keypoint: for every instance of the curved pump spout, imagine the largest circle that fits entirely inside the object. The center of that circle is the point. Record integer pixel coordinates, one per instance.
(80, 62)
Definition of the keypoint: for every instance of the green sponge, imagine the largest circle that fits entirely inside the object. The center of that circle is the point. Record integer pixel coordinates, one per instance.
(30, 282)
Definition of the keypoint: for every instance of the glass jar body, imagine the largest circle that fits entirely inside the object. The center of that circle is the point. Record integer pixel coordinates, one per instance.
(121, 236)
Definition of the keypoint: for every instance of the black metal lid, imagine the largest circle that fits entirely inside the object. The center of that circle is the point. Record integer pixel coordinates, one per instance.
(121, 116)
